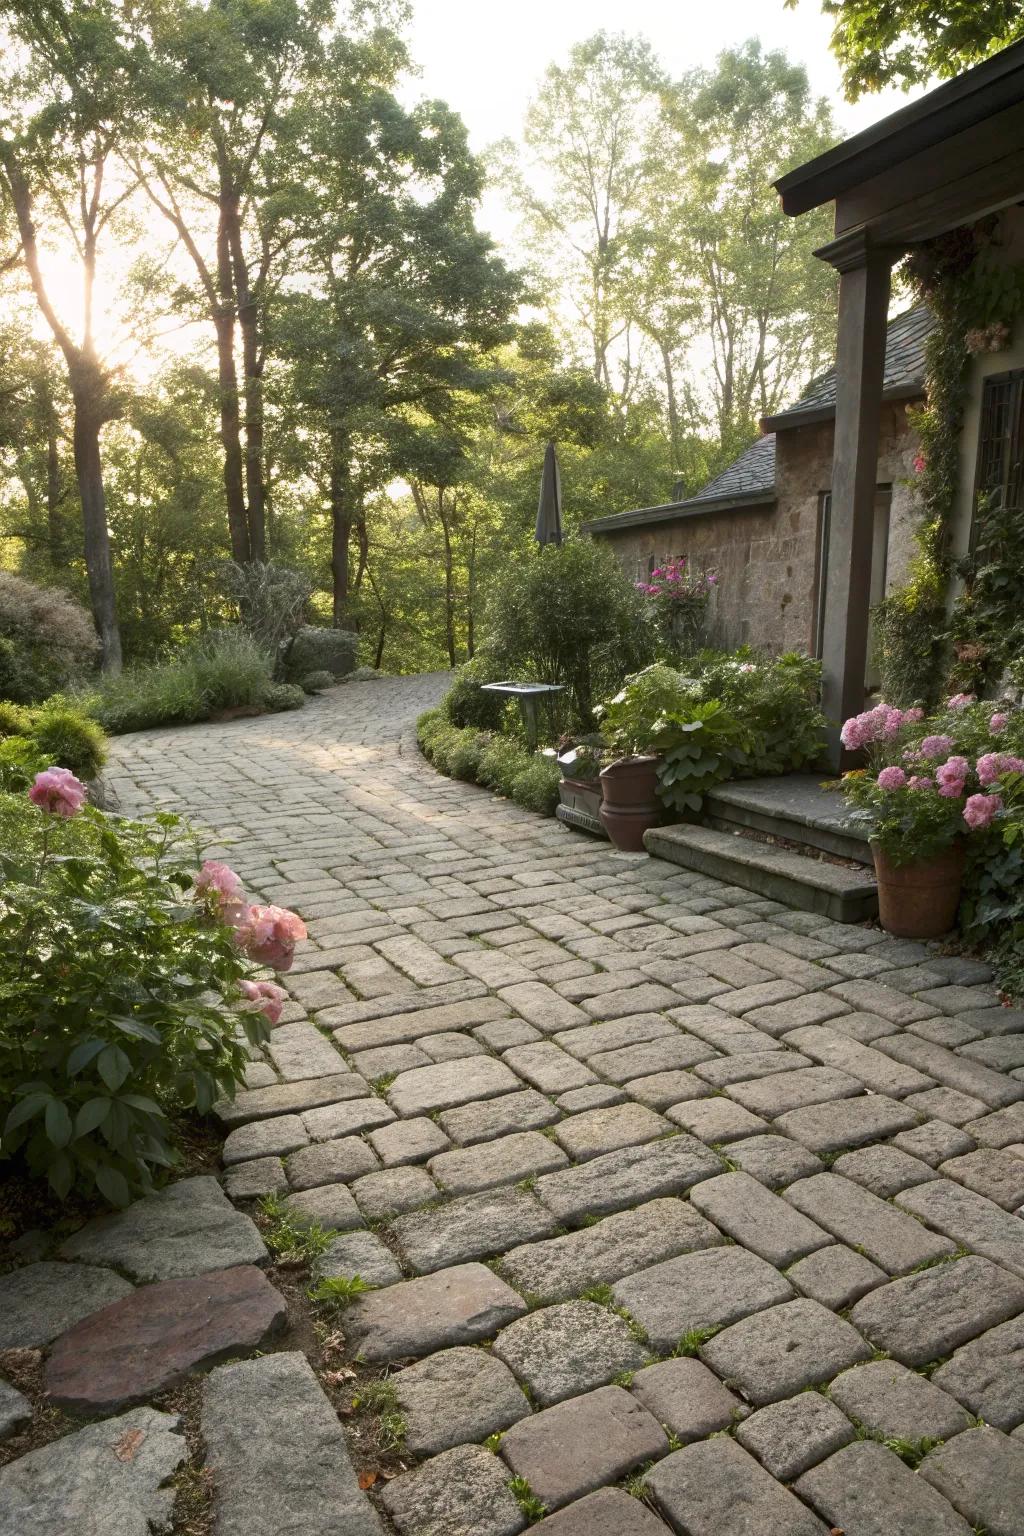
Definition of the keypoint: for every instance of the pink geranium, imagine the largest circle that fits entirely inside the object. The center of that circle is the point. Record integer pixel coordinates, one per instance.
(269, 935)
(892, 778)
(221, 890)
(998, 723)
(979, 811)
(266, 997)
(58, 791)
(952, 776)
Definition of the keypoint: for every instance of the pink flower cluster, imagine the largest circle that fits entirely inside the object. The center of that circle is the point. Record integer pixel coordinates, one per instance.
(935, 746)
(879, 724)
(994, 764)
(979, 810)
(961, 700)
(266, 997)
(672, 581)
(267, 934)
(58, 791)
(951, 777)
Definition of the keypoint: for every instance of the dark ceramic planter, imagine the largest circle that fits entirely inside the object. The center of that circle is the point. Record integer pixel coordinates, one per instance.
(919, 900)
(629, 801)
(581, 795)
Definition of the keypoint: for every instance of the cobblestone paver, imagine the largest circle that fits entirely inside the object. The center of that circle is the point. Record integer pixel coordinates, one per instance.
(676, 1152)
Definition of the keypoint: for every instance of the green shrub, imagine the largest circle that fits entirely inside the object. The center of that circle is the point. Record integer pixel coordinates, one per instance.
(316, 682)
(47, 640)
(535, 788)
(20, 761)
(501, 762)
(281, 696)
(321, 650)
(118, 997)
(271, 599)
(776, 698)
(464, 756)
(13, 719)
(569, 615)
(225, 670)
(68, 738)
(466, 703)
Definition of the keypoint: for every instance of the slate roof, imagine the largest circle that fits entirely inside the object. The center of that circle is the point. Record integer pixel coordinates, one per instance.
(750, 480)
(904, 369)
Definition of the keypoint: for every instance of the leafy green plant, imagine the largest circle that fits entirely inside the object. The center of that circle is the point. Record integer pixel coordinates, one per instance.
(271, 599)
(282, 696)
(532, 1507)
(501, 762)
(777, 699)
(340, 1291)
(65, 736)
(119, 997)
(226, 670)
(291, 1240)
(701, 747)
(465, 754)
(316, 682)
(634, 720)
(536, 787)
(690, 1342)
(466, 703)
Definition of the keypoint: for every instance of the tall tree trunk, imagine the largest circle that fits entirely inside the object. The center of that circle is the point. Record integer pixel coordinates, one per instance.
(227, 374)
(252, 370)
(341, 528)
(89, 416)
(449, 583)
(674, 425)
(47, 416)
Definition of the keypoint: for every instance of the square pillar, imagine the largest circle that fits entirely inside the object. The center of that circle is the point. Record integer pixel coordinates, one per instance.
(864, 284)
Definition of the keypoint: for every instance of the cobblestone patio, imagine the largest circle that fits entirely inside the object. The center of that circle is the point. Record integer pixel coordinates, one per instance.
(634, 1158)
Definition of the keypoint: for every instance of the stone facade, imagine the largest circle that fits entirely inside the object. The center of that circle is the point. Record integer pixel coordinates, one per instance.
(766, 556)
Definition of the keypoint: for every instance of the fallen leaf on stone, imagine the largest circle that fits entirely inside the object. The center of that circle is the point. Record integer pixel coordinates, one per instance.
(129, 1443)
(367, 1480)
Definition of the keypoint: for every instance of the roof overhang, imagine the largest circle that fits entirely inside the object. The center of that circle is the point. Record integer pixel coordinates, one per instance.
(952, 109)
(819, 413)
(680, 511)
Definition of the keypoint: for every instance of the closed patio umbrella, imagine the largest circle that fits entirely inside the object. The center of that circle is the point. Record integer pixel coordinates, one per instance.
(549, 508)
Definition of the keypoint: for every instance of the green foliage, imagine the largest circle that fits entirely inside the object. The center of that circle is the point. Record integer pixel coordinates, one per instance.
(282, 696)
(20, 761)
(528, 1502)
(690, 1342)
(14, 720)
(632, 721)
(68, 738)
(271, 599)
(777, 699)
(227, 670)
(290, 1239)
(502, 762)
(320, 650)
(464, 757)
(116, 997)
(908, 42)
(536, 787)
(340, 1291)
(569, 615)
(316, 682)
(909, 638)
(988, 622)
(46, 640)
(465, 702)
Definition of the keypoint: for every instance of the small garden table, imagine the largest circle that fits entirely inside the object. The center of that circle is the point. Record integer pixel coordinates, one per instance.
(529, 696)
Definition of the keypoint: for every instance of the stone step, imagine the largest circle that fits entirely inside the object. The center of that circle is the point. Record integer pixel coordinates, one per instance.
(813, 885)
(793, 806)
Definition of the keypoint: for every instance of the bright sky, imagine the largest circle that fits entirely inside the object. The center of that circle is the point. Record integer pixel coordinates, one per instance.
(485, 61)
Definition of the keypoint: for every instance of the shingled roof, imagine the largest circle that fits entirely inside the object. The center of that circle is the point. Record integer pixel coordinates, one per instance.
(750, 480)
(903, 377)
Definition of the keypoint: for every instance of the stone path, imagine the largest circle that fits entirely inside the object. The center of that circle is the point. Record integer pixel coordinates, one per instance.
(632, 1159)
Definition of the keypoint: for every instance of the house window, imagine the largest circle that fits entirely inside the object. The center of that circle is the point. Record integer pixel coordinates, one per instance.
(879, 565)
(1001, 440)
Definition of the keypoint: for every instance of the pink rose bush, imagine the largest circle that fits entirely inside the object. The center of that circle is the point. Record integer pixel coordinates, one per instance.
(269, 935)
(57, 791)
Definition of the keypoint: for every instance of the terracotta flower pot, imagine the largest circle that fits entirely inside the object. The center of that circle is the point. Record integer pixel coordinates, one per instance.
(629, 801)
(919, 900)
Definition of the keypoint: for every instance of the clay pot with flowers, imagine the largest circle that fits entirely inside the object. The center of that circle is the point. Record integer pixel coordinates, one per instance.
(922, 800)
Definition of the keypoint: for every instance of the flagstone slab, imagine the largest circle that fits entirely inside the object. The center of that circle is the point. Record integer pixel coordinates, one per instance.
(473, 1227)
(790, 1436)
(109, 1477)
(608, 1512)
(894, 1241)
(439, 1087)
(709, 1488)
(782, 1350)
(563, 1351)
(577, 1446)
(15, 1410)
(863, 1487)
(686, 1398)
(278, 1454)
(981, 1473)
(925, 1316)
(898, 1404)
(457, 1397)
(970, 1219)
(697, 1291)
(40, 1301)
(625, 1178)
(987, 1375)
(460, 1493)
(151, 1340)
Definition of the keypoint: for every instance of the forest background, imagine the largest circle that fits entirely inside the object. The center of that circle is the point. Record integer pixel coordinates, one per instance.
(247, 310)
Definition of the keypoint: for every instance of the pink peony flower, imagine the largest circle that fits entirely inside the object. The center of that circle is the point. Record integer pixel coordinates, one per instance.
(221, 890)
(266, 997)
(269, 935)
(998, 723)
(936, 746)
(979, 810)
(58, 791)
(892, 778)
(961, 700)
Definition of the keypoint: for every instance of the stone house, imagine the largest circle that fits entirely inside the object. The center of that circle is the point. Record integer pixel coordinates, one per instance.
(762, 525)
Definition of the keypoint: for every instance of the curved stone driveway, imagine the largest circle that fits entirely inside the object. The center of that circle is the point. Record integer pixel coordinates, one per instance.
(633, 1157)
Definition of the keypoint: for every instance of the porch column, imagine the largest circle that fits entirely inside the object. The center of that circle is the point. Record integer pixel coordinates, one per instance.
(864, 279)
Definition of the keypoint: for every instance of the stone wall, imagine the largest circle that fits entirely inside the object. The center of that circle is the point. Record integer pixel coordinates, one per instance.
(766, 557)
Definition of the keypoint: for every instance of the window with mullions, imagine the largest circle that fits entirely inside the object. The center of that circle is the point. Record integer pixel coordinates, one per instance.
(1000, 474)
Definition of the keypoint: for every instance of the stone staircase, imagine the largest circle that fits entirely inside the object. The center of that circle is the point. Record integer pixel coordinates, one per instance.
(785, 838)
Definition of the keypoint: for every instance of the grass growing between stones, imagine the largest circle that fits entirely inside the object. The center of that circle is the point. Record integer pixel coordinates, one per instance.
(292, 1242)
(527, 1500)
(340, 1291)
(691, 1341)
(380, 1085)
(379, 1399)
